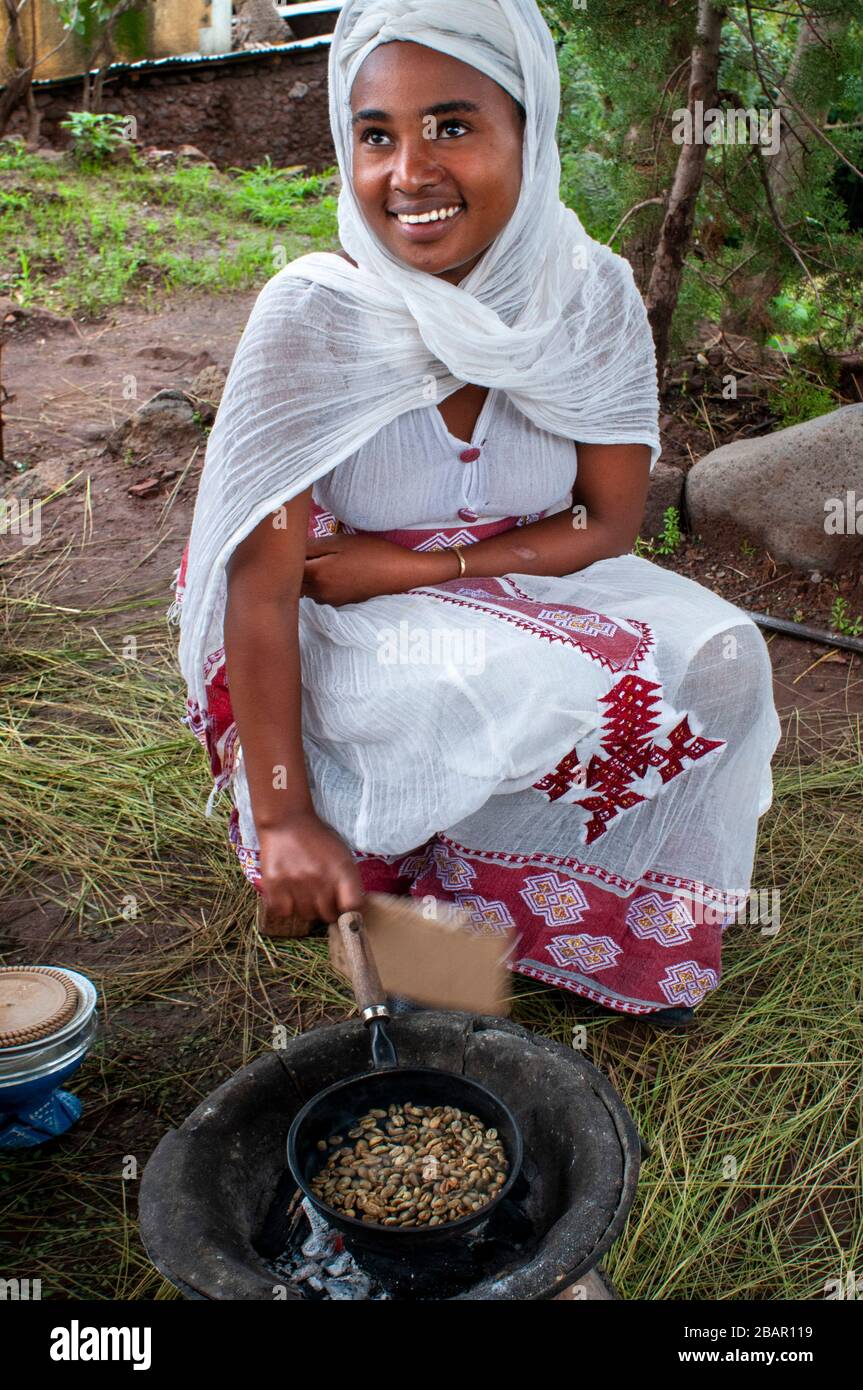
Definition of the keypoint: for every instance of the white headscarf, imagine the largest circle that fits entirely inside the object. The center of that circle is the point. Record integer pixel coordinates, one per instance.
(332, 353)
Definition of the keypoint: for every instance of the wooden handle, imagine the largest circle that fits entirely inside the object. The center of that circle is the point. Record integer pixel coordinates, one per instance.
(365, 979)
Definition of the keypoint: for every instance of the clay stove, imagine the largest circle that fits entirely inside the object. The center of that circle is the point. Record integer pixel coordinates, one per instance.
(218, 1204)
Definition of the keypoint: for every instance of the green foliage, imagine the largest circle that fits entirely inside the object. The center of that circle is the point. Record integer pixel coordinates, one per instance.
(841, 621)
(274, 196)
(667, 543)
(81, 236)
(95, 137)
(87, 18)
(671, 535)
(796, 399)
(14, 153)
(624, 73)
(697, 300)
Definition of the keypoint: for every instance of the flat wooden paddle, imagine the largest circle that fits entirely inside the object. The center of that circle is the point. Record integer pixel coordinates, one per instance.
(440, 961)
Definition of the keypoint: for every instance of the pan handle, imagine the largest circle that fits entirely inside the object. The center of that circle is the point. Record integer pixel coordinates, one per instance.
(368, 989)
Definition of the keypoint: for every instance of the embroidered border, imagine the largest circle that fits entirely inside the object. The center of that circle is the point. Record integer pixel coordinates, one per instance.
(595, 638)
(578, 866)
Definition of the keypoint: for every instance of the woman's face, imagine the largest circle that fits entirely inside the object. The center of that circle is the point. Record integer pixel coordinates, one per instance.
(432, 135)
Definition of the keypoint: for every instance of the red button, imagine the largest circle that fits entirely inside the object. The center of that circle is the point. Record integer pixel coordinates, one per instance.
(466, 514)
(469, 455)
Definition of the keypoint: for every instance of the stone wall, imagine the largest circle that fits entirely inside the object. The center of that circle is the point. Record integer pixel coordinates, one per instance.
(236, 112)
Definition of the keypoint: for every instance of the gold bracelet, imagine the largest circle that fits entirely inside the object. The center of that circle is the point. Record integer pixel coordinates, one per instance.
(461, 559)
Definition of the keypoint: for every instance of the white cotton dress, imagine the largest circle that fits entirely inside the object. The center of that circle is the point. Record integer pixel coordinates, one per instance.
(584, 758)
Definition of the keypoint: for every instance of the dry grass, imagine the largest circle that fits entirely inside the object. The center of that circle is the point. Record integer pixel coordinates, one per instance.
(101, 799)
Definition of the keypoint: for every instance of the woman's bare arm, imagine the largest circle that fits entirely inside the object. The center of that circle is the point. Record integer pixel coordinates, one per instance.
(262, 657)
(306, 869)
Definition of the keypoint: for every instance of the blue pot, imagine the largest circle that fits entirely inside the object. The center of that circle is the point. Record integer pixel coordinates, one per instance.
(33, 1107)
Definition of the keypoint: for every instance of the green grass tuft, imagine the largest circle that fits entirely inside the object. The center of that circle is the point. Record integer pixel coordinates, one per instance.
(81, 239)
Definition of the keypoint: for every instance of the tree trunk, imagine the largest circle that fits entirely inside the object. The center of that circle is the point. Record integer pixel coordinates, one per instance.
(18, 82)
(34, 121)
(641, 235)
(786, 171)
(676, 232)
(258, 23)
(100, 58)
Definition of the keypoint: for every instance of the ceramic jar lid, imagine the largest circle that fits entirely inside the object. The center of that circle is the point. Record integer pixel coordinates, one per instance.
(35, 1001)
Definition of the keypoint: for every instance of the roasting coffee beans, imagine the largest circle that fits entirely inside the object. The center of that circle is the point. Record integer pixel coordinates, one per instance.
(411, 1165)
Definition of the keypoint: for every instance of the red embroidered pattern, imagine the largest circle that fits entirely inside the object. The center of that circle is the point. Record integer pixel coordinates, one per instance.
(645, 642)
(622, 943)
(600, 638)
(579, 866)
(629, 724)
(324, 523)
(568, 773)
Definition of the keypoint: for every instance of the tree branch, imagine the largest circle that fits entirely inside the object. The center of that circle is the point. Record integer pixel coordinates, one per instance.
(626, 216)
(804, 115)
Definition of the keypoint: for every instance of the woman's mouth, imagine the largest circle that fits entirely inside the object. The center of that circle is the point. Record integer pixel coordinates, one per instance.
(429, 225)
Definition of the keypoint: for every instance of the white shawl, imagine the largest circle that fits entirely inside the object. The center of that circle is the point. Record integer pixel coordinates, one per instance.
(332, 353)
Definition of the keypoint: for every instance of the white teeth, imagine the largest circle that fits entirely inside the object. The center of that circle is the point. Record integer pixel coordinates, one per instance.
(437, 215)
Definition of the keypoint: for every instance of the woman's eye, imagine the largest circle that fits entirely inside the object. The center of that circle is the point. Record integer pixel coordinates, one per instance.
(445, 129)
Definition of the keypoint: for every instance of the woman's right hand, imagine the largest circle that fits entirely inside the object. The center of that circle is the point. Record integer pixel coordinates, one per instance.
(308, 871)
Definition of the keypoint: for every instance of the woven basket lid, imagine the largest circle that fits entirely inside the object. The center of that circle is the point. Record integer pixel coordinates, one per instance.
(35, 1001)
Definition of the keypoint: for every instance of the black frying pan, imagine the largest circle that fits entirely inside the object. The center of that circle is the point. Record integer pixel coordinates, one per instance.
(337, 1109)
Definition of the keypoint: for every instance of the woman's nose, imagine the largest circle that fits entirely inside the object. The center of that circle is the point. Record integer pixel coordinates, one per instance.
(416, 164)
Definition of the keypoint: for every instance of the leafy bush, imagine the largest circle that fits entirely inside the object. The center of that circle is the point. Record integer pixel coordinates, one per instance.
(271, 195)
(95, 137)
(667, 543)
(841, 620)
(797, 399)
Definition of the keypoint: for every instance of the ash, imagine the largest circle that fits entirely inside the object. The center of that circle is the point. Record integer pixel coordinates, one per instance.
(322, 1268)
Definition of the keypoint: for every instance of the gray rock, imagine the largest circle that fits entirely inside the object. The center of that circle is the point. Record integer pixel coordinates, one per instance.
(40, 480)
(49, 474)
(209, 384)
(166, 426)
(95, 433)
(776, 491)
(190, 154)
(665, 490)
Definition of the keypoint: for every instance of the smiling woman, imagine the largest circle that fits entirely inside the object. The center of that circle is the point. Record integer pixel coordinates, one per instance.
(418, 648)
(437, 183)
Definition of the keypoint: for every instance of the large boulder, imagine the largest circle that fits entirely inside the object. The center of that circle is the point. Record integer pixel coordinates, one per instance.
(793, 492)
(664, 490)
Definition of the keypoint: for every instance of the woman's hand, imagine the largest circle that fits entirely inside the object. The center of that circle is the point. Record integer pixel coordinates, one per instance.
(308, 871)
(348, 569)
